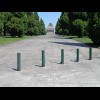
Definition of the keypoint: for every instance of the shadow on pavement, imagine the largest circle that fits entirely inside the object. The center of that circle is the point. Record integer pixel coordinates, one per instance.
(72, 44)
(14, 69)
(38, 65)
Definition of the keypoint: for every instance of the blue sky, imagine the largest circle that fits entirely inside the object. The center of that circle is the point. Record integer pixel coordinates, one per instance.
(49, 17)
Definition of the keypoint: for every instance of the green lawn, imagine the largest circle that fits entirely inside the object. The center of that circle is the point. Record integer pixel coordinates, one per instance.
(85, 40)
(7, 39)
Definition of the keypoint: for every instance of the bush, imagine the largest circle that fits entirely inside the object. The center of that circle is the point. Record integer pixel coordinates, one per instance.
(1, 22)
(94, 27)
(16, 27)
(79, 27)
(94, 33)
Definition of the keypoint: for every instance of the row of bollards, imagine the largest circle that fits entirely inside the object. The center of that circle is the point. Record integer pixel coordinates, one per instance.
(90, 54)
(43, 58)
(19, 60)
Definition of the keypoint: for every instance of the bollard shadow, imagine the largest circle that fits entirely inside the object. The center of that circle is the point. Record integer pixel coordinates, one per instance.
(57, 62)
(14, 69)
(73, 44)
(73, 60)
(38, 65)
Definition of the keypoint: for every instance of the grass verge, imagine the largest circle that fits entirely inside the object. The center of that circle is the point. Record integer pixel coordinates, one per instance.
(85, 40)
(7, 39)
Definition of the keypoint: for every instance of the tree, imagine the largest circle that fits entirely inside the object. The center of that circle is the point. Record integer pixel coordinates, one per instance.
(77, 15)
(42, 27)
(64, 20)
(37, 23)
(33, 24)
(79, 27)
(94, 27)
(15, 25)
(21, 23)
(57, 28)
(1, 23)
(62, 26)
(30, 24)
(7, 18)
(78, 18)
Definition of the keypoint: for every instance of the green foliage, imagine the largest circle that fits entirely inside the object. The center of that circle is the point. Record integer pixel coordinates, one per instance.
(20, 24)
(37, 24)
(30, 25)
(42, 27)
(36, 31)
(34, 25)
(72, 23)
(79, 27)
(57, 28)
(77, 15)
(16, 25)
(80, 24)
(94, 27)
(62, 26)
(1, 22)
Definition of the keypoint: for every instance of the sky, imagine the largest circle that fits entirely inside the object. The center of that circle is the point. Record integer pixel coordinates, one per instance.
(49, 17)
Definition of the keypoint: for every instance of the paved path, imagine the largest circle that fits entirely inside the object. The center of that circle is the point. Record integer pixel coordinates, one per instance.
(71, 74)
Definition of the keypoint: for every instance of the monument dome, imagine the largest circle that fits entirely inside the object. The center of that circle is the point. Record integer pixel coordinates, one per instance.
(50, 28)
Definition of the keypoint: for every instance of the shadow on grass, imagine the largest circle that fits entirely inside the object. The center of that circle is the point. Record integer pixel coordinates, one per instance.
(70, 37)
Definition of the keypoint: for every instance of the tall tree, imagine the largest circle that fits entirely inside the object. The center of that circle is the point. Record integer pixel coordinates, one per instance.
(94, 27)
(1, 22)
(16, 26)
(31, 24)
(62, 26)
(78, 23)
(21, 23)
(57, 28)
(42, 27)
(7, 18)
(36, 16)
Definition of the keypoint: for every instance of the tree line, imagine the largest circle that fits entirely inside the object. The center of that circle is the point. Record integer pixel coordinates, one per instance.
(18, 24)
(80, 24)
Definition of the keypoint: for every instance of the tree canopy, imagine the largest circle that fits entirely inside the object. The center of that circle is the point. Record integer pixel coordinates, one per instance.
(21, 23)
(80, 24)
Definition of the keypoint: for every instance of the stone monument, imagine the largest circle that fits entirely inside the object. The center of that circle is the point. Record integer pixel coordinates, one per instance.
(50, 28)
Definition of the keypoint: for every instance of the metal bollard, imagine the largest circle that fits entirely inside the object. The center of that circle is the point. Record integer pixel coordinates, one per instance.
(90, 53)
(77, 55)
(62, 56)
(43, 58)
(18, 61)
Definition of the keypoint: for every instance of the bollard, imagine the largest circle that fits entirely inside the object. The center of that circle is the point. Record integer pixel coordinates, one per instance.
(77, 55)
(18, 61)
(43, 58)
(90, 53)
(62, 56)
